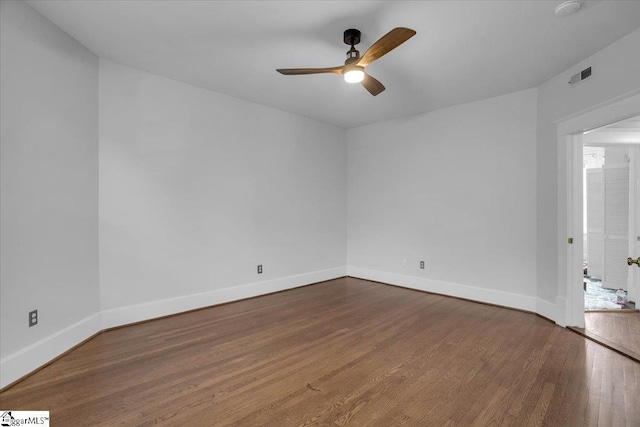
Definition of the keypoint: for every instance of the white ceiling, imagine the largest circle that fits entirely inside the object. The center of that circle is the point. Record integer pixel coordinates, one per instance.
(623, 132)
(463, 51)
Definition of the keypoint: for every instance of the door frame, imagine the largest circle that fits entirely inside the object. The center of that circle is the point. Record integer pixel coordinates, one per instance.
(570, 294)
(634, 214)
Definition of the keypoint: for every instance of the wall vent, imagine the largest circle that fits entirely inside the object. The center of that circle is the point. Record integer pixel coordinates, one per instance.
(580, 77)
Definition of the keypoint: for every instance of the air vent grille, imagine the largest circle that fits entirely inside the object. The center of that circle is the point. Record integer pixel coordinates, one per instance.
(580, 77)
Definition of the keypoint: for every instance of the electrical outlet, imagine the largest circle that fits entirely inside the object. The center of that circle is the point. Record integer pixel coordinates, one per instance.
(33, 318)
(422, 265)
(260, 269)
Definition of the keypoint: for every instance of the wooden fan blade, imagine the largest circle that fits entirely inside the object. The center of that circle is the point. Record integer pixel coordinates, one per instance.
(299, 71)
(372, 85)
(386, 44)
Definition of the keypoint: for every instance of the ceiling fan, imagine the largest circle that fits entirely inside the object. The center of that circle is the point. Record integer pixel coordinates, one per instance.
(354, 66)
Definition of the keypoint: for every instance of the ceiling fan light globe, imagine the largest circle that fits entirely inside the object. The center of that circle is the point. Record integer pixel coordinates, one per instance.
(355, 75)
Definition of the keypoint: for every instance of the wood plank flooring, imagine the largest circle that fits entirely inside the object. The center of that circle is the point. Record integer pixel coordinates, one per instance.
(344, 352)
(620, 331)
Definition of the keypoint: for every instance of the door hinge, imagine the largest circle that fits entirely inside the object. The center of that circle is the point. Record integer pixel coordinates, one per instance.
(570, 240)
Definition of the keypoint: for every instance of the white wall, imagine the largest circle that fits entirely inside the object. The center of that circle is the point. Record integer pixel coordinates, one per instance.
(49, 190)
(455, 188)
(616, 71)
(198, 188)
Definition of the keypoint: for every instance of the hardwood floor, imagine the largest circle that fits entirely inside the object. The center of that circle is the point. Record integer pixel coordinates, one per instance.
(620, 331)
(344, 352)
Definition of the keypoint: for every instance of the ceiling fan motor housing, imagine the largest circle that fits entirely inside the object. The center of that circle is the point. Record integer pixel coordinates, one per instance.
(352, 56)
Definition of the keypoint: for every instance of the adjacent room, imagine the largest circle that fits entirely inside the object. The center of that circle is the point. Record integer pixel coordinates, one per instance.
(610, 214)
(611, 232)
(285, 213)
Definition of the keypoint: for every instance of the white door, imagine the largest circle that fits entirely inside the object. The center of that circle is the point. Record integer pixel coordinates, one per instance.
(594, 236)
(616, 222)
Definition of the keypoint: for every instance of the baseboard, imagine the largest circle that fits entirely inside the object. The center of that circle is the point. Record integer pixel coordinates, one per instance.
(546, 309)
(39, 354)
(506, 299)
(150, 310)
(34, 356)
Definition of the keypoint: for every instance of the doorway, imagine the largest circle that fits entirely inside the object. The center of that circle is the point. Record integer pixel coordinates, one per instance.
(570, 132)
(611, 229)
(611, 235)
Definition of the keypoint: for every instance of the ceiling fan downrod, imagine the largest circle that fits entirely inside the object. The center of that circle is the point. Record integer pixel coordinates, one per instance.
(352, 38)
